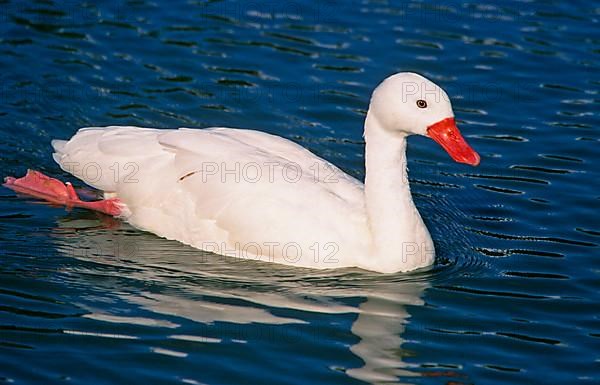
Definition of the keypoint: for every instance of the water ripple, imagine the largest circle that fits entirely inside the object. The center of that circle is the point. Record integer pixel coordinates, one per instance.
(515, 273)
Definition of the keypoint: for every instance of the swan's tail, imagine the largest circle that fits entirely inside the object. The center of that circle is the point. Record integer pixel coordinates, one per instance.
(104, 157)
(59, 149)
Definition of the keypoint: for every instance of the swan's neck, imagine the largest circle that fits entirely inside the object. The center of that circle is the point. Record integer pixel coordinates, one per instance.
(400, 240)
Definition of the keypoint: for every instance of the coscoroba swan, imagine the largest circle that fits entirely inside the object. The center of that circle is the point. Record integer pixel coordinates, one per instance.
(248, 194)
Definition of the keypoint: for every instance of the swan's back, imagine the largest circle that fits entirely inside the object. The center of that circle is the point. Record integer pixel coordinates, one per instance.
(222, 186)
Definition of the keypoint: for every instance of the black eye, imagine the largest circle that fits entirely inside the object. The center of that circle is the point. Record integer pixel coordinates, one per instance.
(421, 103)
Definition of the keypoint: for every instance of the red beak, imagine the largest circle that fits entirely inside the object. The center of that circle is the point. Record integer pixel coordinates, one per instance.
(446, 134)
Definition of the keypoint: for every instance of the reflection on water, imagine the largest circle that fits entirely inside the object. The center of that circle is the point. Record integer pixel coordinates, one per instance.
(380, 325)
(209, 289)
(513, 295)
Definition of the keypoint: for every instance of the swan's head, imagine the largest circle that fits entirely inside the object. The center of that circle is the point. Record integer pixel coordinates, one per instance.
(407, 103)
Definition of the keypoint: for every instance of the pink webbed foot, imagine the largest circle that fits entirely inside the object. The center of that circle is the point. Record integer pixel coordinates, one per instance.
(41, 186)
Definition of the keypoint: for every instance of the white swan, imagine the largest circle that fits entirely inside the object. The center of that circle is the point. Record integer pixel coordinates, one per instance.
(248, 194)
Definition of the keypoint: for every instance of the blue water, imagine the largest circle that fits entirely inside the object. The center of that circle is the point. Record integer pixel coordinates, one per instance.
(513, 296)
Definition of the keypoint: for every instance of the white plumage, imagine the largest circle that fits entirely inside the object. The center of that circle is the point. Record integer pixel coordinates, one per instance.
(248, 194)
(236, 192)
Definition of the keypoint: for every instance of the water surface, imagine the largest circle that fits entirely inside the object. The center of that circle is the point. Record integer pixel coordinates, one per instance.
(513, 296)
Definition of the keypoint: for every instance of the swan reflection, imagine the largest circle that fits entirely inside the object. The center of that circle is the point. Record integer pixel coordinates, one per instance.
(176, 281)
